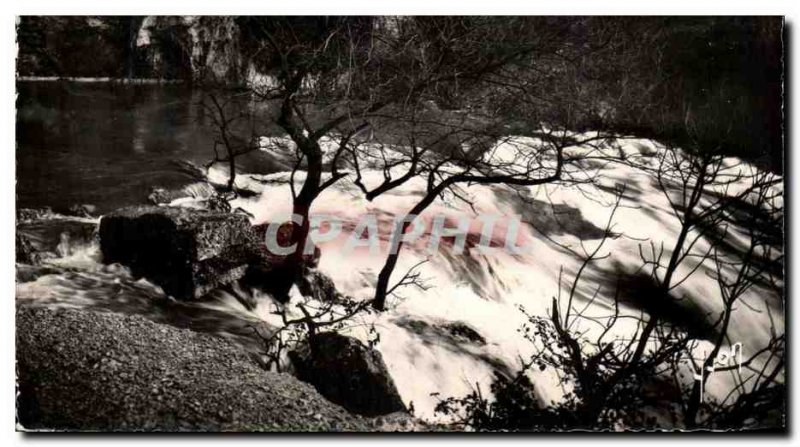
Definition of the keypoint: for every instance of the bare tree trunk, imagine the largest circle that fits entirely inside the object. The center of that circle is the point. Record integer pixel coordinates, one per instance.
(379, 302)
(382, 287)
(302, 203)
(232, 170)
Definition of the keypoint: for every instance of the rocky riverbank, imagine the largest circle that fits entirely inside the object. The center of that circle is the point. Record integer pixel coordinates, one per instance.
(88, 371)
(162, 357)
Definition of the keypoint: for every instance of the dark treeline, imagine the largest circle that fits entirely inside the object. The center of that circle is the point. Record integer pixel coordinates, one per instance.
(723, 74)
(710, 82)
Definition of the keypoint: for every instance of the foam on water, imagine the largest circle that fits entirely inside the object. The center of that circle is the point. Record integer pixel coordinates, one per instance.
(77, 278)
(481, 290)
(485, 290)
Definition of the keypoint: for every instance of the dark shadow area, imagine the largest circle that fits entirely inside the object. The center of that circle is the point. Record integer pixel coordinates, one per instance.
(468, 268)
(768, 229)
(549, 218)
(456, 337)
(638, 290)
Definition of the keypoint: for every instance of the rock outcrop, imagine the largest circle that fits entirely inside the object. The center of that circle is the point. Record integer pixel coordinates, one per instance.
(86, 210)
(187, 252)
(196, 190)
(209, 45)
(317, 285)
(283, 238)
(32, 214)
(274, 273)
(198, 195)
(26, 253)
(80, 370)
(204, 49)
(348, 373)
(42, 234)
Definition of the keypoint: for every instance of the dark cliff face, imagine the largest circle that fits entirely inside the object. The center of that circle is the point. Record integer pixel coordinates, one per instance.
(658, 74)
(202, 49)
(76, 46)
(177, 48)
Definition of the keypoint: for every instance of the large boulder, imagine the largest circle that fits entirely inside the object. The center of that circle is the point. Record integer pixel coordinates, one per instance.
(81, 370)
(276, 274)
(348, 373)
(187, 252)
(283, 238)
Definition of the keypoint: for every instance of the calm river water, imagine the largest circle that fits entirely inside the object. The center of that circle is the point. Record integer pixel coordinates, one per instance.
(107, 144)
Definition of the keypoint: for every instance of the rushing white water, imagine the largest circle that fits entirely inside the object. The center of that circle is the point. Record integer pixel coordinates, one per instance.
(75, 277)
(485, 290)
(480, 290)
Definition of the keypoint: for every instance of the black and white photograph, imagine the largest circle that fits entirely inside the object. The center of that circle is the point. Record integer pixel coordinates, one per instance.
(440, 224)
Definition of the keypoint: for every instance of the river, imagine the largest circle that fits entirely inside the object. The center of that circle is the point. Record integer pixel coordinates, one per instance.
(107, 144)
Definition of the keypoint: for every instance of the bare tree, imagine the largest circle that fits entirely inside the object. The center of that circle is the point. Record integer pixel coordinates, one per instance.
(527, 163)
(228, 124)
(315, 316)
(613, 377)
(336, 77)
